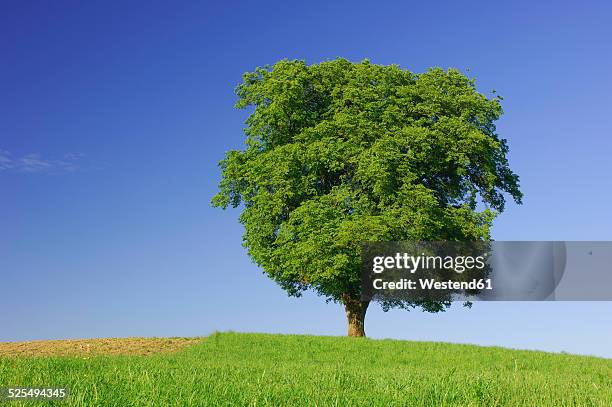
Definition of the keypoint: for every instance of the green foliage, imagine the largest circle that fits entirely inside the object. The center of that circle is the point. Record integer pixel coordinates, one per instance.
(288, 370)
(340, 153)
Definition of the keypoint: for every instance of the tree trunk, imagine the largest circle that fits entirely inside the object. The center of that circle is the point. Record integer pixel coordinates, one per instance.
(355, 315)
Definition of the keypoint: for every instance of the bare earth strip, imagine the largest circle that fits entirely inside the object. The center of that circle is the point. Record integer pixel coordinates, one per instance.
(106, 346)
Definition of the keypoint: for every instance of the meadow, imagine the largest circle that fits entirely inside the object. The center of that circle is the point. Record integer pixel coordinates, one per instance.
(234, 369)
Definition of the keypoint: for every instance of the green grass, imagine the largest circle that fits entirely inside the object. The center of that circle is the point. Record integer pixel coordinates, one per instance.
(230, 369)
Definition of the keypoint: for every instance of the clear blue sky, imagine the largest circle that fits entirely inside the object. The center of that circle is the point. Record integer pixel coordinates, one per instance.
(112, 120)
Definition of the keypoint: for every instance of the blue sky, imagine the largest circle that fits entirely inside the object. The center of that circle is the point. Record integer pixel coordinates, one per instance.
(112, 120)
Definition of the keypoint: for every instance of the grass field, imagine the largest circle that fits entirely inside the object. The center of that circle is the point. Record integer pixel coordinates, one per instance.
(285, 370)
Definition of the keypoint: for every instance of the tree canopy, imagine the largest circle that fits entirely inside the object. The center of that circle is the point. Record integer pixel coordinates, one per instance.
(338, 153)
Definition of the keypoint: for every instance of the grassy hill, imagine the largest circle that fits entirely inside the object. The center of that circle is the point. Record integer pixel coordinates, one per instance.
(273, 370)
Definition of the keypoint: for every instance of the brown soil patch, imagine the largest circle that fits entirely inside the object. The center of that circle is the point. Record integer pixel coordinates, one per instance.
(106, 346)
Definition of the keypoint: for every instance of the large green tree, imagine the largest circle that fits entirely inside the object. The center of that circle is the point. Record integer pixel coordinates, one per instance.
(338, 153)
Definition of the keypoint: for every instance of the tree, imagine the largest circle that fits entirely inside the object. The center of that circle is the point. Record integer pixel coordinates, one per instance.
(338, 153)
